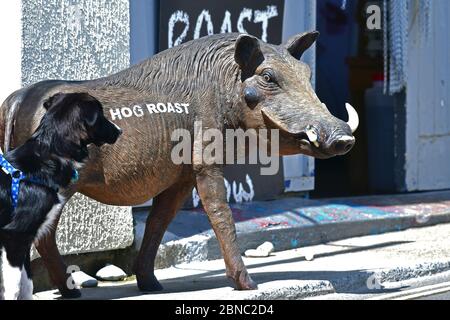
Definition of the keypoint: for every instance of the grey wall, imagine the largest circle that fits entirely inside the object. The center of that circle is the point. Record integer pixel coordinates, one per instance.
(74, 39)
(144, 29)
(428, 104)
(80, 39)
(300, 16)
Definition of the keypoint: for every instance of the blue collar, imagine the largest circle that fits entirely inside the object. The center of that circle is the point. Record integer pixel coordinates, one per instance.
(17, 176)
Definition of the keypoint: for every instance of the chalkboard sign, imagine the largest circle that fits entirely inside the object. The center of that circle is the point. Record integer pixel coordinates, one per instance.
(182, 20)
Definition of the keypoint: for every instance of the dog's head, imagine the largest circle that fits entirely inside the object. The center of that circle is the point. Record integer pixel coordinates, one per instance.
(72, 122)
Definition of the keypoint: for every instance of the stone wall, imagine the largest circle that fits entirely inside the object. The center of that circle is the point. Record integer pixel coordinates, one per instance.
(79, 40)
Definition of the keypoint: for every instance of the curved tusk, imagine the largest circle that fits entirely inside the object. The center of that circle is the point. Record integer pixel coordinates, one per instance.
(312, 137)
(353, 118)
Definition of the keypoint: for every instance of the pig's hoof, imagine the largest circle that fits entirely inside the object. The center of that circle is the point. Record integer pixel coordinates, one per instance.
(70, 293)
(149, 284)
(245, 282)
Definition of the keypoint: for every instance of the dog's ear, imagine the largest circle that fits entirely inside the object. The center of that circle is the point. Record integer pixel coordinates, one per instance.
(90, 115)
(99, 128)
(49, 102)
(91, 108)
(70, 99)
(85, 109)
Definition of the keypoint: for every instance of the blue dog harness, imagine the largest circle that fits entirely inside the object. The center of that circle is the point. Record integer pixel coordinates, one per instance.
(17, 176)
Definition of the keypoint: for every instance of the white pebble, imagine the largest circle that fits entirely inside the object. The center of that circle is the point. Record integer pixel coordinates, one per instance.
(84, 280)
(309, 256)
(262, 251)
(266, 247)
(111, 273)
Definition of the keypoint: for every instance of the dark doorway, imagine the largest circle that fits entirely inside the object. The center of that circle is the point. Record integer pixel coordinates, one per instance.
(349, 58)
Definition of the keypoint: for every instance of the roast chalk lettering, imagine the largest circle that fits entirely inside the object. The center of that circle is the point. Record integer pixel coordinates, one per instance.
(140, 111)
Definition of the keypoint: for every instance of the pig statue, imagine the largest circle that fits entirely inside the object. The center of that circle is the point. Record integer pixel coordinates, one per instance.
(225, 81)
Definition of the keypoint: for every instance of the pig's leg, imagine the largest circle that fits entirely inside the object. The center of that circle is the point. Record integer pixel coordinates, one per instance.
(212, 192)
(165, 207)
(57, 269)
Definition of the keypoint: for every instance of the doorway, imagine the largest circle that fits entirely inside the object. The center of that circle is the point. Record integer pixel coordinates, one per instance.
(349, 60)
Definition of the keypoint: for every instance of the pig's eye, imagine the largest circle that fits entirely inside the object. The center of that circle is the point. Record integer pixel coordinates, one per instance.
(268, 76)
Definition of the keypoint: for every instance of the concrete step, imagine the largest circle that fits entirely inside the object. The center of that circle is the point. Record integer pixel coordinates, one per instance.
(291, 223)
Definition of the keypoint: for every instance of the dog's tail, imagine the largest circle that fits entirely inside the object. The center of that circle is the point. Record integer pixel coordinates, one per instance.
(8, 113)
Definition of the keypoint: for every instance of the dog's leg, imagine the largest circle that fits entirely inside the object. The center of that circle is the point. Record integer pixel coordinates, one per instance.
(211, 190)
(165, 207)
(12, 276)
(26, 282)
(57, 269)
(26, 286)
(2, 287)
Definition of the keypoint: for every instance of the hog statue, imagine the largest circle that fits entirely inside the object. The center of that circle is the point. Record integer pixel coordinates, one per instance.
(225, 81)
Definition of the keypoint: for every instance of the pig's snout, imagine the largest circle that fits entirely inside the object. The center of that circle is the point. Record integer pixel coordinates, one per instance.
(341, 145)
(338, 143)
(342, 140)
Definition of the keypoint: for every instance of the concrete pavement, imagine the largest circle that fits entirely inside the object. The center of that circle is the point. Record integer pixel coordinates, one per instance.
(288, 222)
(353, 268)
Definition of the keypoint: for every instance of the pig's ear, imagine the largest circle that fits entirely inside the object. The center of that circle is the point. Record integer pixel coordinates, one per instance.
(298, 44)
(248, 55)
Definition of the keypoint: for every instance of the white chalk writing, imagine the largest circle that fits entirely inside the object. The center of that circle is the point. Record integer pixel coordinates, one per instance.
(204, 19)
(239, 193)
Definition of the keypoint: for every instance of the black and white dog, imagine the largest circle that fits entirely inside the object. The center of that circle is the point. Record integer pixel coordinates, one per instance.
(32, 175)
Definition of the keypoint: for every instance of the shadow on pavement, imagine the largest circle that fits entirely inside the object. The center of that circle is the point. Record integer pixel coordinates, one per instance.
(351, 281)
